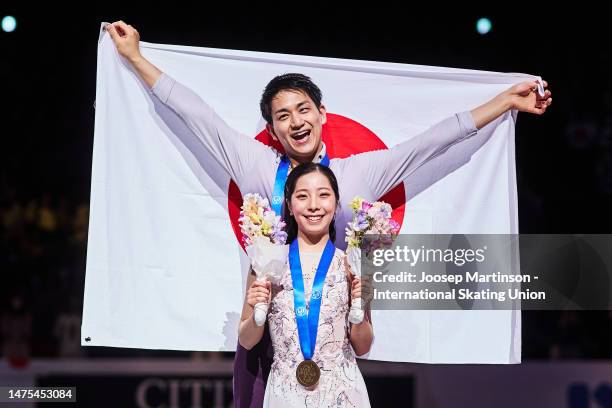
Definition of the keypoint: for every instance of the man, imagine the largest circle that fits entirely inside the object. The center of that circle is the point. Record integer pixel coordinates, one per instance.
(292, 107)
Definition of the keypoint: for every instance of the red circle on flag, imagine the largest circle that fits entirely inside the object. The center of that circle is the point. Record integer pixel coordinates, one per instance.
(343, 137)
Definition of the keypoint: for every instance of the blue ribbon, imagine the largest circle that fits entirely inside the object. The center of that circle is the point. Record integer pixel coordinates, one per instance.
(308, 319)
(279, 183)
(325, 161)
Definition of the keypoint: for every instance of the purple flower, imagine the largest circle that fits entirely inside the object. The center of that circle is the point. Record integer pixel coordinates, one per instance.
(280, 237)
(362, 222)
(394, 226)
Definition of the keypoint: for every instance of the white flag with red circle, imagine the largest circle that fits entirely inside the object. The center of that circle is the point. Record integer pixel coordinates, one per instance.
(164, 268)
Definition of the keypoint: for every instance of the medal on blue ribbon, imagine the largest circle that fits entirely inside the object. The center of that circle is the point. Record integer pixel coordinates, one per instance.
(307, 317)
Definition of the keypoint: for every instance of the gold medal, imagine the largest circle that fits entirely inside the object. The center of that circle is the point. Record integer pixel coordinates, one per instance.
(308, 373)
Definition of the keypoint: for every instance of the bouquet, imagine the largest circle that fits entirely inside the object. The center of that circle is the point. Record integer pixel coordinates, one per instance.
(264, 238)
(368, 219)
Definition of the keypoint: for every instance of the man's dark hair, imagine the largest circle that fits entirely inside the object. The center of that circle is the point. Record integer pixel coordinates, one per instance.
(295, 82)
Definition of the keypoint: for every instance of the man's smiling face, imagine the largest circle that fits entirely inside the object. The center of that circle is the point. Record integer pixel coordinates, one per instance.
(297, 124)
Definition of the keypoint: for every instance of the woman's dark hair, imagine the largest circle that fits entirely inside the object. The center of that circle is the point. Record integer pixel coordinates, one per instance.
(299, 171)
(288, 82)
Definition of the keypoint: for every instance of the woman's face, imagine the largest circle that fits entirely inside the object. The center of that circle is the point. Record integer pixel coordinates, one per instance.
(313, 204)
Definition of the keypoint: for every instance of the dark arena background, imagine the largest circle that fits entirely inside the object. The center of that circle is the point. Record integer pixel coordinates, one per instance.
(48, 77)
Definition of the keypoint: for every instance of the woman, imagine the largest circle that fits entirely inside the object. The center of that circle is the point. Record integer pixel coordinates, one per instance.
(314, 293)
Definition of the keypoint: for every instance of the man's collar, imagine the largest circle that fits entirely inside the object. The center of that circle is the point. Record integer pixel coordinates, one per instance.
(317, 158)
(321, 155)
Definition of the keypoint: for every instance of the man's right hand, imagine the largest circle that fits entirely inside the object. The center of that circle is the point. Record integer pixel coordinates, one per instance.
(126, 39)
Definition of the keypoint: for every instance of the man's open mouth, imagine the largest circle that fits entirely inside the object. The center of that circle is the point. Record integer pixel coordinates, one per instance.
(300, 136)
